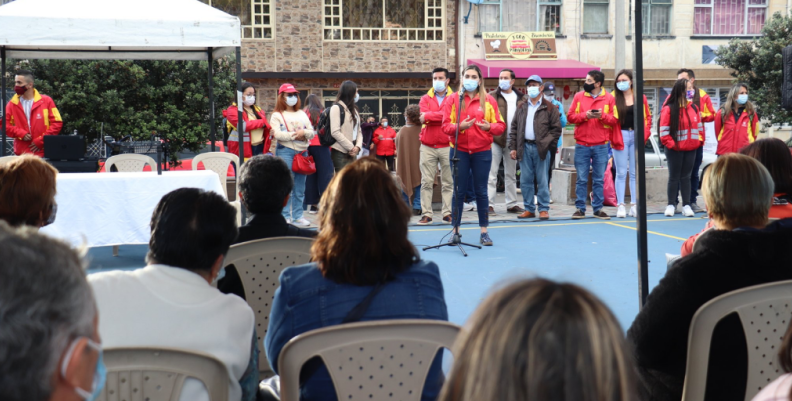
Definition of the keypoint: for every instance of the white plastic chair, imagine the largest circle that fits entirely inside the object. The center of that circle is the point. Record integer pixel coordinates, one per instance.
(218, 162)
(378, 360)
(130, 163)
(259, 264)
(6, 159)
(155, 374)
(765, 311)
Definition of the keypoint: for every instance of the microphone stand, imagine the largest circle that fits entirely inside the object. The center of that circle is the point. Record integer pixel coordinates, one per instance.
(456, 239)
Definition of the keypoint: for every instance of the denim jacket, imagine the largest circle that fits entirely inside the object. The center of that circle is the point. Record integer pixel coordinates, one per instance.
(306, 301)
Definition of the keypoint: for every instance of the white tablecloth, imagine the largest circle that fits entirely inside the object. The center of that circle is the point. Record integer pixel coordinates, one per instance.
(100, 209)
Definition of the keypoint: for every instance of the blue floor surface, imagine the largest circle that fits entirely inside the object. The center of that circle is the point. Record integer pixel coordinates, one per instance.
(598, 255)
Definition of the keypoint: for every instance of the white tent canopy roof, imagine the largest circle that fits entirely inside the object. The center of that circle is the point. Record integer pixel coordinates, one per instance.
(116, 29)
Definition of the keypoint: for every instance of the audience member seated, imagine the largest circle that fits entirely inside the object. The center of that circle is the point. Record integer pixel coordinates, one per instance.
(360, 251)
(265, 183)
(541, 340)
(781, 388)
(171, 303)
(742, 250)
(27, 192)
(49, 345)
(774, 154)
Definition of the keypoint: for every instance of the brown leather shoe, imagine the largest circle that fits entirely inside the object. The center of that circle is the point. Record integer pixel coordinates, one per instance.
(425, 220)
(544, 215)
(515, 209)
(526, 215)
(447, 219)
(491, 211)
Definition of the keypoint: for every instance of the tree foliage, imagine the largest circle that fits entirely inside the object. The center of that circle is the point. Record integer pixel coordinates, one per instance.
(758, 63)
(137, 98)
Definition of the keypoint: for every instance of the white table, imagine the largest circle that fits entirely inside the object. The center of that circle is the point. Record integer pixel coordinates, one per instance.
(101, 209)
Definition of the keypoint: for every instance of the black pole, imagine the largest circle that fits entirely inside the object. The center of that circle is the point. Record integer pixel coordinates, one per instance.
(240, 123)
(211, 99)
(643, 247)
(3, 98)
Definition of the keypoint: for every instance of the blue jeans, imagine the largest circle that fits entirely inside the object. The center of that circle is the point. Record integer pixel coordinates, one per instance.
(416, 203)
(621, 158)
(258, 149)
(470, 194)
(595, 158)
(534, 169)
(294, 208)
(476, 166)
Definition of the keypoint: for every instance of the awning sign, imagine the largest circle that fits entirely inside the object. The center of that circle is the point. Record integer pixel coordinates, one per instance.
(519, 45)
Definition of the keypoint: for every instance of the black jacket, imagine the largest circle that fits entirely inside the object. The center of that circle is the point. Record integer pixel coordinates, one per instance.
(547, 127)
(260, 226)
(722, 261)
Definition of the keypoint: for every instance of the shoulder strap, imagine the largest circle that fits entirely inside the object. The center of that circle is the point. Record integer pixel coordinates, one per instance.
(284, 122)
(360, 309)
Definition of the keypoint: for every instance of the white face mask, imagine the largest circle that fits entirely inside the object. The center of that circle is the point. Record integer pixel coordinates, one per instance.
(549, 98)
(250, 100)
(291, 100)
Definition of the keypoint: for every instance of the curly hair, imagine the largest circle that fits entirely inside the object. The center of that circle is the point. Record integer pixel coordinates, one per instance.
(27, 191)
(413, 113)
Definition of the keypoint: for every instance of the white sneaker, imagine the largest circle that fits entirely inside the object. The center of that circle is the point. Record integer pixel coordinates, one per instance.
(622, 212)
(302, 222)
(670, 210)
(536, 202)
(469, 206)
(633, 211)
(519, 191)
(687, 211)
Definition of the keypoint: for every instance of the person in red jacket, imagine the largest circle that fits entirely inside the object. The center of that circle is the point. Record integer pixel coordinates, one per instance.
(31, 116)
(680, 132)
(592, 113)
(704, 104)
(736, 123)
(479, 122)
(385, 139)
(434, 146)
(257, 128)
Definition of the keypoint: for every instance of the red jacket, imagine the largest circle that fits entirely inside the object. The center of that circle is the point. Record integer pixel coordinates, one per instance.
(432, 134)
(233, 141)
(387, 145)
(647, 117)
(735, 135)
(474, 139)
(596, 131)
(46, 121)
(690, 132)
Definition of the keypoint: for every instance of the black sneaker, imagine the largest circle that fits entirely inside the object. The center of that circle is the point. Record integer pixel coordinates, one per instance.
(601, 215)
(485, 239)
(416, 212)
(579, 214)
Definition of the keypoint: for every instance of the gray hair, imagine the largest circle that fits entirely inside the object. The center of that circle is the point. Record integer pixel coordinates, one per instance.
(45, 303)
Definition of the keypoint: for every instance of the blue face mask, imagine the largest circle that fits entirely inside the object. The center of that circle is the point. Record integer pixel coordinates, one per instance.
(439, 86)
(623, 85)
(504, 84)
(357, 97)
(742, 99)
(470, 85)
(100, 375)
(385, 124)
(690, 94)
(533, 92)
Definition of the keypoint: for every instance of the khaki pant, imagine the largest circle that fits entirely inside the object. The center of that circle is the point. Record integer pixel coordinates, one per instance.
(430, 158)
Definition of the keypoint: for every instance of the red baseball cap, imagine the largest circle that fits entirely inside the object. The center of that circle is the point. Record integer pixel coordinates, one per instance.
(288, 88)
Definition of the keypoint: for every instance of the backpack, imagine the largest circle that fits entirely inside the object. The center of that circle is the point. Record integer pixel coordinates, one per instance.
(323, 126)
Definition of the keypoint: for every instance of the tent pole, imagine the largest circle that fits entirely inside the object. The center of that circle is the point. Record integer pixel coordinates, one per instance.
(3, 98)
(643, 258)
(212, 130)
(240, 124)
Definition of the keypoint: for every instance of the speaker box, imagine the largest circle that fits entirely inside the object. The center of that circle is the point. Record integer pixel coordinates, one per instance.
(786, 87)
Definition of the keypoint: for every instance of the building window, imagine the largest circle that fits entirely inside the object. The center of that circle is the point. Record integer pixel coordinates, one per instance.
(521, 16)
(254, 15)
(729, 17)
(402, 20)
(656, 17)
(595, 16)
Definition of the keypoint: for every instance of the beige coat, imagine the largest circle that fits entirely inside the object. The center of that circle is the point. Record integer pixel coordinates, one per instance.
(344, 133)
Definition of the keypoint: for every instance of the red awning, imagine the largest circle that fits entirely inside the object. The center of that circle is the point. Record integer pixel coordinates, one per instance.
(558, 69)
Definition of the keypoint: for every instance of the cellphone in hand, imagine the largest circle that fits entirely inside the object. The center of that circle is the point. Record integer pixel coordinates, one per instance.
(595, 110)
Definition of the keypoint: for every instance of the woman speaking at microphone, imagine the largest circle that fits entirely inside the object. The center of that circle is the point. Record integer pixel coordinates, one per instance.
(479, 122)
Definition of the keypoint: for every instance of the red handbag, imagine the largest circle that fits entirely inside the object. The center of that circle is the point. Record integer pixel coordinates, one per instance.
(301, 164)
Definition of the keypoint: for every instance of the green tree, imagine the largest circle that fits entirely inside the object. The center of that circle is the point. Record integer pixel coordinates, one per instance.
(758, 63)
(137, 98)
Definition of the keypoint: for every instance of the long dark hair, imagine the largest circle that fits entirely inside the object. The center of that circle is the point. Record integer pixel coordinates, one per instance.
(245, 87)
(677, 101)
(621, 104)
(774, 154)
(313, 106)
(346, 94)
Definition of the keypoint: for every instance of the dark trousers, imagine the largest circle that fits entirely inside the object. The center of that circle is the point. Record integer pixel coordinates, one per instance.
(389, 161)
(315, 184)
(340, 159)
(258, 149)
(694, 174)
(476, 166)
(680, 164)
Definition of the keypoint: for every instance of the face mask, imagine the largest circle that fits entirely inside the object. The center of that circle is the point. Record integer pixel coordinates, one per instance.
(439, 86)
(689, 94)
(623, 85)
(291, 100)
(357, 97)
(505, 84)
(249, 100)
(385, 124)
(588, 87)
(742, 99)
(20, 90)
(100, 375)
(470, 85)
(549, 98)
(52, 215)
(533, 92)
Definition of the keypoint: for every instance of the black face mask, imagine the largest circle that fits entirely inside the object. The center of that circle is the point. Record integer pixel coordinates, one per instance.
(588, 87)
